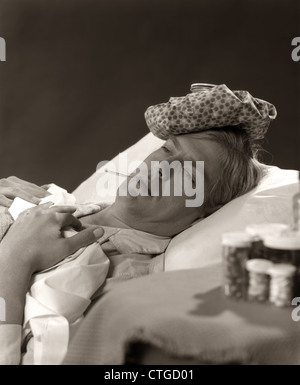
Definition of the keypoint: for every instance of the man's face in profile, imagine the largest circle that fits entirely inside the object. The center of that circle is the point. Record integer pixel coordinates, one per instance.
(168, 214)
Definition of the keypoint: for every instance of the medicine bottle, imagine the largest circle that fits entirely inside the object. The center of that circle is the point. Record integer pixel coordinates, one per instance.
(236, 249)
(259, 231)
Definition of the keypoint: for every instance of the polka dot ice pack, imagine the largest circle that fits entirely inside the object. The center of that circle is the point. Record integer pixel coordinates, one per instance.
(211, 106)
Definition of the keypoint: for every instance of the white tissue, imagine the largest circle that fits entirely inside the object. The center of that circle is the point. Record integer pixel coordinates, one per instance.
(18, 206)
(59, 196)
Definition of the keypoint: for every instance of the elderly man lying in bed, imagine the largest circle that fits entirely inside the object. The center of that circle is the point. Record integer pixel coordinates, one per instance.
(132, 232)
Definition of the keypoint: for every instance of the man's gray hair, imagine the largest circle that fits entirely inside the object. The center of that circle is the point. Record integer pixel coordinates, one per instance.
(240, 168)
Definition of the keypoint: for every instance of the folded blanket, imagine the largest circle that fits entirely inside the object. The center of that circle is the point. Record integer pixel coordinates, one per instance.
(56, 301)
(211, 107)
(185, 314)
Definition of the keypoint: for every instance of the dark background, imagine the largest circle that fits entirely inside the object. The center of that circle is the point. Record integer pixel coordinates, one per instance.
(80, 74)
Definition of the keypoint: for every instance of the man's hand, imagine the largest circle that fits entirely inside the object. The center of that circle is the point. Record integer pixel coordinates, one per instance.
(13, 187)
(36, 238)
(33, 243)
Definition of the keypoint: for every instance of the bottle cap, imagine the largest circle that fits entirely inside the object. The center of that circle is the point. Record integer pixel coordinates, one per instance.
(261, 230)
(197, 87)
(260, 266)
(286, 241)
(237, 239)
(282, 270)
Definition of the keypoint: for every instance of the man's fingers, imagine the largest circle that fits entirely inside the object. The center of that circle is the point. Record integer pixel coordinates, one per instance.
(28, 197)
(11, 193)
(40, 192)
(15, 185)
(67, 220)
(15, 179)
(83, 210)
(46, 205)
(64, 209)
(84, 238)
(33, 190)
(4, 201)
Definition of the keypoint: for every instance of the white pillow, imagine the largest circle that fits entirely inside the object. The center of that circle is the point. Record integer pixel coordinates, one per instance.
(88, 191)
(271, 201)
(200, 244)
